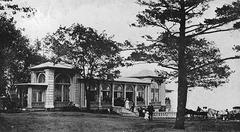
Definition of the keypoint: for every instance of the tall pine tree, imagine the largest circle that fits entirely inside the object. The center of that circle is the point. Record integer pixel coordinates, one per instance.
(182, 26)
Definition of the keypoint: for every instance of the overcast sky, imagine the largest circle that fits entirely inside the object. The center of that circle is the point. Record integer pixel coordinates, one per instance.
(115, 16)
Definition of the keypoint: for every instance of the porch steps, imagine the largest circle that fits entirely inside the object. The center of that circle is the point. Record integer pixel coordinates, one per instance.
(124, 112)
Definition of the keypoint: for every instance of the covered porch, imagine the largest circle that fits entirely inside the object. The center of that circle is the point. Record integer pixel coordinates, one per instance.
(108, 94)
(32, 95)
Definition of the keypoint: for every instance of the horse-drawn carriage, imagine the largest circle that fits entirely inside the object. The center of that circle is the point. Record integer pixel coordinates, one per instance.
(196, 114)
(213, 114)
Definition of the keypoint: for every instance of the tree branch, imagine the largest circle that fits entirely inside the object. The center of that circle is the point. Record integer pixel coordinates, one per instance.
(144, 47)
(191, 26)
(207, 29)
(220, 30)
(216, 61)
(162, 65)
(191, 8)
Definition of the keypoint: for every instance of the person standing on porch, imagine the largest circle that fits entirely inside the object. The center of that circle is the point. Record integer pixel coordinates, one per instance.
(127, 104)
(133, 106)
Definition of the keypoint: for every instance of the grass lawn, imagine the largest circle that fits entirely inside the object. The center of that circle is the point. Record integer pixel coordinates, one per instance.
(88, 122)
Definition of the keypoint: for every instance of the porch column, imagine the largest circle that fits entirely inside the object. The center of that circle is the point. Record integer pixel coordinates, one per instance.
(124, 91)
(113, 85)
(82, 95)
(146, 95)
(75, 91)
(162, 93)
(100, 96)
(135, 94)
(149, 94)
(29, 98)
(50, 89)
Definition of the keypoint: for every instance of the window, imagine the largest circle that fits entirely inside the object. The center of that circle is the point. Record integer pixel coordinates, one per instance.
(106, 96)
(61, 90)
(154, 92)
(58, 93)
(41, 78)
(129, 92)
(40, 94)
(93, 93)
(118, 91)
(37, 95)
(34, 96)
(156, 95)
(65, 93)
(167, 101)
(130, 88)
(62, 79)
(61, 93)
(140, 93)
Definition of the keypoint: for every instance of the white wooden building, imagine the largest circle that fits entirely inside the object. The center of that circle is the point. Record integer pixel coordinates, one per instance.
(58, 85)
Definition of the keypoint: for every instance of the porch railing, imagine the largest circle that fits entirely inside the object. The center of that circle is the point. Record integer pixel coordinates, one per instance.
(155, 103)
(58, 104)
(105, 104)
(38, 104)
(164, 114)
(94, 104)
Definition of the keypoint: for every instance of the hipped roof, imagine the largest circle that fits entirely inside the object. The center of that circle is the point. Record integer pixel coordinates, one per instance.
(52, 65)
(145, 74)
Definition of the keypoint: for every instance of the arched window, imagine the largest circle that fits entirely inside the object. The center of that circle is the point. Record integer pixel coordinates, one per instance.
(130, 92)
(140, 93)
(62, 79)
(61, 90)
(106, 96)
(154, 92)
(118, 91)
(118, 95)
(41, 78)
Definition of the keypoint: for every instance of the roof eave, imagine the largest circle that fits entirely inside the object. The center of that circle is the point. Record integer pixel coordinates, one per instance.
(49, 67)
(31, 84)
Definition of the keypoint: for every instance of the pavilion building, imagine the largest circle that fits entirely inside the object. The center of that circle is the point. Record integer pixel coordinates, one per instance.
(58, 85)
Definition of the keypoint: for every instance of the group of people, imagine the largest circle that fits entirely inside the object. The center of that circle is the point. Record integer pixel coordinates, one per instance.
(147, 113)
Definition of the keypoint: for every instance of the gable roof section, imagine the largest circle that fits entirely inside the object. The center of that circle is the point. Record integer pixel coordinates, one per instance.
(52, 65)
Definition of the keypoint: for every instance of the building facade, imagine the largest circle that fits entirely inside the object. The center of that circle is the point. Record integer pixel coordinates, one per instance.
(58, 85)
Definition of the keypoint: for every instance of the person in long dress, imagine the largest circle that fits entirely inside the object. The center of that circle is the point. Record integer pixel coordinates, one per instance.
(146, 116)
(127, 104)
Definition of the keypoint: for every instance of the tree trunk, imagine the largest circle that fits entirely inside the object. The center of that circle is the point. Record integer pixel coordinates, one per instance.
(182, 73)
(182, 99)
